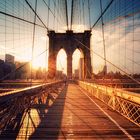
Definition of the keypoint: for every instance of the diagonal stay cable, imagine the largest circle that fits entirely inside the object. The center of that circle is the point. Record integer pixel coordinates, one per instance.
(108, 61)
(30, 22)
(36, 14)
(103, 12)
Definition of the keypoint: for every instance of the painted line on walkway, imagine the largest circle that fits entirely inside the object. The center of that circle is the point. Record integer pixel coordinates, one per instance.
(122, 129)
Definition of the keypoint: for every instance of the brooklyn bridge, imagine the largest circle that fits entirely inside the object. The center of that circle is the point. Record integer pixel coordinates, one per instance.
(69, 69)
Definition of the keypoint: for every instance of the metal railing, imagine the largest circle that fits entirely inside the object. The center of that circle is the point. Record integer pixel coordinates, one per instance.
(14, 103)
(124, 102)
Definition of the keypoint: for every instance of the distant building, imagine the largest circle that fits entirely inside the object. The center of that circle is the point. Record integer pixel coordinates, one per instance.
(104, 70)
(9, 62)
(81, 68)
(23, 70)
(1, 68)
(76, 73)
(58, 73)
(9, 58)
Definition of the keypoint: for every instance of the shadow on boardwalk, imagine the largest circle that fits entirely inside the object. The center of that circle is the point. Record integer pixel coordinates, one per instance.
(50, 119)
(42, 121)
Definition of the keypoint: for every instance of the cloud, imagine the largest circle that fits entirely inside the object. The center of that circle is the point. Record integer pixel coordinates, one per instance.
(119, 43)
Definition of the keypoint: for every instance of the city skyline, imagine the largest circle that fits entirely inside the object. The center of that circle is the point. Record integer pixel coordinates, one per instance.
(120, 26)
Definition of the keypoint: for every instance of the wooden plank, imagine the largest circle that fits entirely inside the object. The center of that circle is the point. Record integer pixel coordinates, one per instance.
(73, 116)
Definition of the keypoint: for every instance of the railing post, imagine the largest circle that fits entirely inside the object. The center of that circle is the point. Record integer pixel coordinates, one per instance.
(113, 100)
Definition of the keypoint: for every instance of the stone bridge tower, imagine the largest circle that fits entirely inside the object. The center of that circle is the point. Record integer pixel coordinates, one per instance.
(68, 42)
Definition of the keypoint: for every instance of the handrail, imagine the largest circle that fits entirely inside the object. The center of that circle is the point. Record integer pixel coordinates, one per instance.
(124, 102)
(28, 90)
(16, 102)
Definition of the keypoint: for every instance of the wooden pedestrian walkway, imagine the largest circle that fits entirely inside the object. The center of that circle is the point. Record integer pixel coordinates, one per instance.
(73, 115)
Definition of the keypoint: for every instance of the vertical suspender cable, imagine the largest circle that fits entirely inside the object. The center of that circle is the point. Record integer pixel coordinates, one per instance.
(119, 36)
(89, 14)
(46, 39)
(13, 24)
(67, 15)
(103, 36)
(125, 38)
(54, 15)
(48, 14)
(83, 13)
(133, 41)
(71, 15)
(5, 28)
(33, 40)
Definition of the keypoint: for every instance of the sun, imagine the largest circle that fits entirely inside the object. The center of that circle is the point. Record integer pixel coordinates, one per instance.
(39, 62)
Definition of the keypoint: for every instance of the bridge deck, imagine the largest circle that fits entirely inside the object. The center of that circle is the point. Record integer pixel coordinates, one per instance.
(74, 116)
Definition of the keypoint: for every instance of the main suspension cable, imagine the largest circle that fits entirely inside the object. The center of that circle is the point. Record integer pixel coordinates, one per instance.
(108, 61)
(30, 22)
(110, 3)
(36, 14)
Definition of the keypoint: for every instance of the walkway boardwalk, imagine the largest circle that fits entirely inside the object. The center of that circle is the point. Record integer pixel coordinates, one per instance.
(73, 115)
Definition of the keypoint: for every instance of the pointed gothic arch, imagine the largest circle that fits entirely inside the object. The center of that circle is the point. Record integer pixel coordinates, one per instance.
(68, 42)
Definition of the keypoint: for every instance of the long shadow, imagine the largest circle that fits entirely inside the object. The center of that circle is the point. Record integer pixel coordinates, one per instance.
(12, 129)
(50, 119)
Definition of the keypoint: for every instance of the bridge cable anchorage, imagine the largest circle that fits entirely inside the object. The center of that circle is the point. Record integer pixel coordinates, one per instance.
(37, 15)
(121, 128)
(107, 61)
(110, 3)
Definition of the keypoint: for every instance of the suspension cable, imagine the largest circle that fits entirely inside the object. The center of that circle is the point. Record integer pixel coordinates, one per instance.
(89, 14)
(71, 15)
(49, 9)
(30, 22)
(33, 39)
(107, 61)
(83, 3)
(102, 14)
(48, 14)
(103, 34)
(67, 15)
(36, 14)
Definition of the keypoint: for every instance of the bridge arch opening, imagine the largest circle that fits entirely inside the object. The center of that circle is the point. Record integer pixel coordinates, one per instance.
(61, 61)
(78, 64)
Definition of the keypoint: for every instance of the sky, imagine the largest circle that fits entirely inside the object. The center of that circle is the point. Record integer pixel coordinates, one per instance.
(121, 31)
